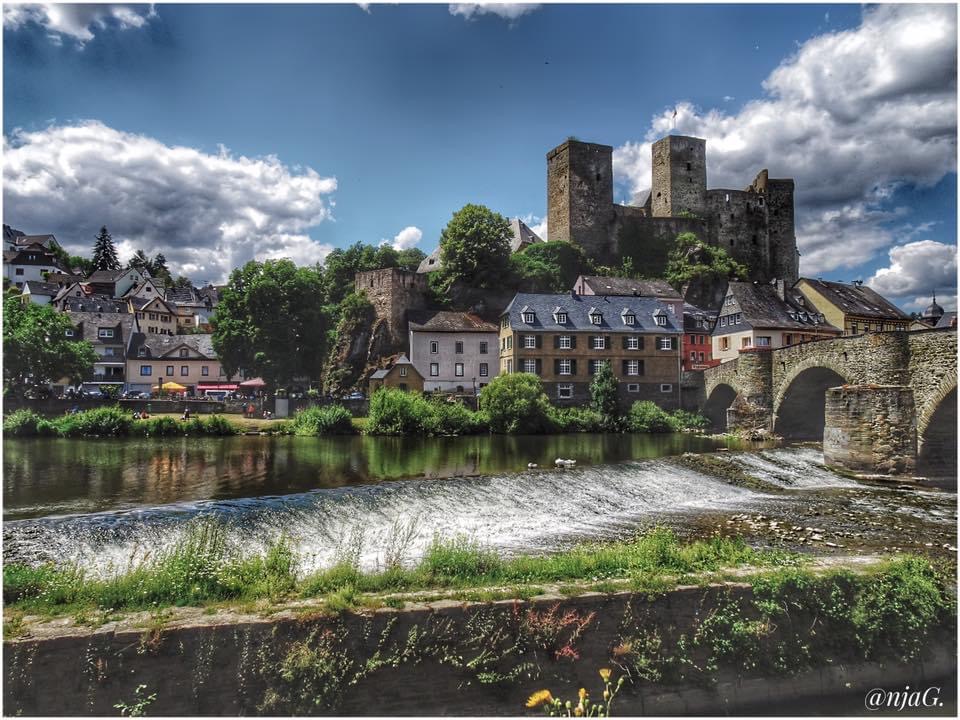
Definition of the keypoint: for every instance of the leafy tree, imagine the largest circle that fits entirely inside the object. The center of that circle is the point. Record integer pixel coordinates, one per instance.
(78, 262)
(692, 260)
(410, 258)
(603, 394)
(549, 266)
(104, 252)
(269, 322)
(341, 265)
(475, 248)
(516, 403)
(182, 282)
(36, 349)
(155, 268)
(139, 261)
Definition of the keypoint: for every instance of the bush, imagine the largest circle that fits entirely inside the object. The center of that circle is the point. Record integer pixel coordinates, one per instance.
(25, 423)
(99, 422)
(328, 420)
(395, 412)
(647, 417)
(157, 427)
(516, 404)
(576, 419)
(686, 420)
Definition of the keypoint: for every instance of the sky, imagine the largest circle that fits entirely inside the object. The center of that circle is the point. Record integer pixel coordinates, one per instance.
(221, 133)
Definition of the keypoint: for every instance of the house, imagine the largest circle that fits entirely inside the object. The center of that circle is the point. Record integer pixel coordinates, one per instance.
(765, 315)
(30, 263)
(154, 315)
(91, 303)
(116, 283)
(192, 308)
(41, 293)
(565, 338)
(521, 237)
(402, 374)
(854, 308)
(453, 351)
(189, 360)
(110, 334)
(146, 289)
(697, 344)
(16, 240)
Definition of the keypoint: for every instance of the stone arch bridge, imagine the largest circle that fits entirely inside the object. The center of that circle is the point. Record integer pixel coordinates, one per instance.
(784, 390)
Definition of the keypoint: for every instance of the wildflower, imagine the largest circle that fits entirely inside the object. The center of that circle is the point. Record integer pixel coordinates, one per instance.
(605, 674)
(540, 697)
(582, 694)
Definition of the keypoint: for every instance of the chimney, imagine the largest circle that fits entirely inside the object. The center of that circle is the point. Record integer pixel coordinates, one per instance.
(781, 287)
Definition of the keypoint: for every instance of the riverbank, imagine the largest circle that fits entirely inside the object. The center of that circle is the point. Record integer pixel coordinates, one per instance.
(766, 635)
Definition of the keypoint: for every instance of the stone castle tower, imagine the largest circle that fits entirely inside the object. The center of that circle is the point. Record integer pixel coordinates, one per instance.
(755, 225)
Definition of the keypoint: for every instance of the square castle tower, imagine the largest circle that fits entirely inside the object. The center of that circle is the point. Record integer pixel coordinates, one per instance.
(754, 225)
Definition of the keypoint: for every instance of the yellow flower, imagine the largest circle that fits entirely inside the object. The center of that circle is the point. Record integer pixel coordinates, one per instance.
(540, 697)
(605, 674)
(579, 711)
(582, 694)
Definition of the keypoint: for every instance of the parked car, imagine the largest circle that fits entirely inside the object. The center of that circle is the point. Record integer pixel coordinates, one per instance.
(356, 395)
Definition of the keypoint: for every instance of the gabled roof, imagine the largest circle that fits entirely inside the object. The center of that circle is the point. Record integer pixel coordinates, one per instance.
(761, 307)
(606, 285)
(579, 307)
(523, 236)
(164, 346)
(31, 255)
(185, 296)
(107, 276)
(856, 299)
(91, 322)
(447, 321)
(137, 288)
(35, 287)
(139, 303)
(93, 304)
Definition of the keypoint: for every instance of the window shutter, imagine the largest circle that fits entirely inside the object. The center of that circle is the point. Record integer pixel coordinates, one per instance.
(673, 343)
(539, 366)
(623, 367)
(573, 367)
(573, 342)
(539, 341)
(556, 342)
(641, 342)
(624, 339)
(641, 367)
(656, 343)
(590, 342)
(607, 344)
(556, 366)
(591, 367)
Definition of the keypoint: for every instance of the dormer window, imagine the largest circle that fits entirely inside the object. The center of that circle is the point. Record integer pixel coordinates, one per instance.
(141, 352)
(105, 332)
(629, 319)
(183, 352)
(560, 316)
(69, 333)
(661, 320)
(529, 317)
(596, 318)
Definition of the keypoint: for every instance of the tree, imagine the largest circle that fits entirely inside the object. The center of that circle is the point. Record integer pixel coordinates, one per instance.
(139, 261)
(270, 322)
(516, 403)
(549, 266)
(604, 394)
(692, 260)
(410, 258)
(104, 252)
(475, 248)
(36, 349)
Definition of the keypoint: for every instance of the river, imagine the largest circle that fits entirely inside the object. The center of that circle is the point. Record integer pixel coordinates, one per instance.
(106, 504)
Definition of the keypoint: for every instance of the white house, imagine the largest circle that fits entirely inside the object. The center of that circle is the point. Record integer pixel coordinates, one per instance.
(454, 351)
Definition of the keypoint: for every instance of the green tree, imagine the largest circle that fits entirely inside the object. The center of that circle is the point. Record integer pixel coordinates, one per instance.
(36, 349)
(341, 265)
(475, 248)
(410, 258)
(549, 266)
(693, 260)
(269, 322)
(104, 252)
(516, 403)
(603, 394)
(139, 261)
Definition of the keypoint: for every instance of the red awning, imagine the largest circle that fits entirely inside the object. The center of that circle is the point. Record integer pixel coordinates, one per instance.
(215, 386)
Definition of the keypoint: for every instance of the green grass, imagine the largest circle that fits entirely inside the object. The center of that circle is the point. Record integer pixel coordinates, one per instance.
(112, 422)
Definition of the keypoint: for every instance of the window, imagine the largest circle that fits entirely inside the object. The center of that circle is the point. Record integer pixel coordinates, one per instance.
(184, 370)
(503, 343)
(183, 352)
(854, 329)
(141, 352)
(19, 271)
(702, 340)
(205, 370)
(745, 343)
(561, 318)
(596, 318)
(484, 370)
(633, 343)
(630, 319)
(153, 316)
(666, 387)
(434, 369)
(763, 341)
(723, 321)
(109, 352)
(105, 332)
(458, 369)
(69, 333)
(693, 355)
(529, 317)
(661, 320)
(633, 387)
(146, 370)
(169, 369)
(666, 343)
(403, 371)
(701, 356)
(633, 367)
(599, 343)
(564, 342)
(724, 343)
(529, 341)
(565, 367)
(530, 366)
(483, 348)
(595, 366)
(564, 391)
(739, 318)
(403, 387)
(434, 347)
(458, 347)
(510, 342)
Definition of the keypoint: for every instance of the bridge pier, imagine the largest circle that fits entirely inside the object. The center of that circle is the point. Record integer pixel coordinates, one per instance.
(871, 429)
(753, 407)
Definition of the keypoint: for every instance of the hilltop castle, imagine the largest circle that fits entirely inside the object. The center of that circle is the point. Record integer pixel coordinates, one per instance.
(754, 225)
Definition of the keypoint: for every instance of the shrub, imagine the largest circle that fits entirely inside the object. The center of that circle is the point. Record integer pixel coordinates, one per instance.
(647, 417)
(328, 420)
(99, 422)
(395, 412)
(516, 404)
(452, 418)
(157, 427)
(576, 419)
(26, 423)
(686, 420)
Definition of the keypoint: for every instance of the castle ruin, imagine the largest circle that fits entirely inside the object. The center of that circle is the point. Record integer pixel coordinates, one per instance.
(755, 225)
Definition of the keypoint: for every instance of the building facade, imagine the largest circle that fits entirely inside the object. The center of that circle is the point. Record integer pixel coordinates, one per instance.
(154, 315)
(697, 343)
(111, 335)
(565, 338)
(189, 360)
(402, 375)
(854, 308)
(453, 351)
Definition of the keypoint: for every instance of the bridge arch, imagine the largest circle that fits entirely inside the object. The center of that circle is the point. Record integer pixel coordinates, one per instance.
(715, 409)
(798, 406)
(937, 431)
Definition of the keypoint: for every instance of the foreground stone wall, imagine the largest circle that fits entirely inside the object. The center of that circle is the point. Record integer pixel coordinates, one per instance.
(441, 658)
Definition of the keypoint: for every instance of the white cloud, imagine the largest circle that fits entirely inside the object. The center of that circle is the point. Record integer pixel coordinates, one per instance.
(405, 239)
(851, 116)
(537, 224)
(916, 270)
(508, 11)
(76, 21)
(207, 213)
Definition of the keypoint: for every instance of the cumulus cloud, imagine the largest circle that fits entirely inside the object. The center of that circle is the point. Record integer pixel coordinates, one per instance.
(208, 213)
(405, 239)
(76, 21)
(851, 116)
(915, 271)
(508, 11)
(537, 224)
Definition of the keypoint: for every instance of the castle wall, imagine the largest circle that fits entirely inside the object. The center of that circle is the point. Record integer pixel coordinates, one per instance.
(738, 224)
(679, 176)
(392, 292)
(580, 196)
(784, 259)
(649, 240)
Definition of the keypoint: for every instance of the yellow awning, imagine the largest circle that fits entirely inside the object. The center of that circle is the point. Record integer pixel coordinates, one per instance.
(173, 387)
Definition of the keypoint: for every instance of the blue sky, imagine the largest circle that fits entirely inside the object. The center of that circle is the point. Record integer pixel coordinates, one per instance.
(223, 132)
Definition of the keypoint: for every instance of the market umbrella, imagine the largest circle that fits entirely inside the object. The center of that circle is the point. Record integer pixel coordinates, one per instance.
(253, 383)
(173, 387)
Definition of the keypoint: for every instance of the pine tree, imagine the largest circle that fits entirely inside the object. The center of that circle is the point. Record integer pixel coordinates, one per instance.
(104, 253)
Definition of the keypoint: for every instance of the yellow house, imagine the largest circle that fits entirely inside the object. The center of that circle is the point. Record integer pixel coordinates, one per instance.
(154, 315)
(189, 360)
(854, 308)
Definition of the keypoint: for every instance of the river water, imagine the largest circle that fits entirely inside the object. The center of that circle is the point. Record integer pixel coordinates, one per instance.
(108, 504)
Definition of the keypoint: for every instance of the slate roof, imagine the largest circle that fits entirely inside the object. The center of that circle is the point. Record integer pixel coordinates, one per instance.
(94, 304)
(141, 302)
(185, 296)
(762, 307)
(159, 346)
(857, 300)
(31, 256)
(578, 307)
(947, 320)
(691, 314)
(447, 321)
(105, 276)
(604, 285)
(35, 287)
(91, 322)
(380, 374)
